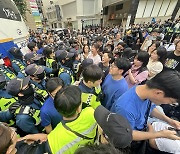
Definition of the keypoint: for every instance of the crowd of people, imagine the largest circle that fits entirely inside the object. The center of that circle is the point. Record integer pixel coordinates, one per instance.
(105, 90)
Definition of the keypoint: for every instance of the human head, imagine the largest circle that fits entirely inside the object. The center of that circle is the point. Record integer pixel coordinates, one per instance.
(8, 139)
(92, 75)
(165, 87)
(107, 58)
(120, 67)
(48, 52)
(32, 58)
(159, 54)
(100, 149)
(153, 46)
(115, 128)
(16, 52)
(53, 85)
(32, 46)
(118, 36)
(141, 59)
(86, 49)
(95, 49)
(36, 72)
(68, 101)
(178, 46)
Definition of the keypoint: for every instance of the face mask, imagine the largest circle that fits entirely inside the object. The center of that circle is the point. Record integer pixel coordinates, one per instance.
(2, 85)
(28, 92)
(41, 76)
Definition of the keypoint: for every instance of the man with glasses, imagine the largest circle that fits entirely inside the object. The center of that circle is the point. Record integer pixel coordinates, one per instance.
(114, 84)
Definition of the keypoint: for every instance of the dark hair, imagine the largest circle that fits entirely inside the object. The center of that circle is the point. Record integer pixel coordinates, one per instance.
(5, 138)
(100, 149)
(162, 53)
(68, 100)
(53, 83)
(40, 44)
(143, 57)
(84, 47)
(110, 55)
(157, 44)
(47, 52)
(92, 73)
(96, 45)
(168, 81)
(31, 45)
(123, 63)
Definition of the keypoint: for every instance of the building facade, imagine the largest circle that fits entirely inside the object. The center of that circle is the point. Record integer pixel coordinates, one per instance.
(125, 12)
(78, 13)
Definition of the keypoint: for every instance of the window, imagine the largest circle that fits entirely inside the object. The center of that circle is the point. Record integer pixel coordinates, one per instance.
(119, 7)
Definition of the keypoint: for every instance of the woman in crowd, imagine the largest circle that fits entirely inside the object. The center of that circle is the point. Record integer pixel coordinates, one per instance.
(156, 62)
(138, 72)
(153, 46)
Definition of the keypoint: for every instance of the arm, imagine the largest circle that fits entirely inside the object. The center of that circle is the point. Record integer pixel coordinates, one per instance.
(163, 117)
(131, 78)
(48, 128)
(138, 135)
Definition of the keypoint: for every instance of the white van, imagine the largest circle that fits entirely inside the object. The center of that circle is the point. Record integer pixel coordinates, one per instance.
(13, 30)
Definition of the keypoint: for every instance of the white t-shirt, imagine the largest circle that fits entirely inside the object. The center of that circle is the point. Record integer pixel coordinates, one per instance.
(164, 144)
(96, 59)
(154, 67)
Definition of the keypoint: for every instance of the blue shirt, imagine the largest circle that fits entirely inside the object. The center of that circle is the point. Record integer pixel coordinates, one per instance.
(66, 76)
(49, 114)
(133, 108)
(112, 90)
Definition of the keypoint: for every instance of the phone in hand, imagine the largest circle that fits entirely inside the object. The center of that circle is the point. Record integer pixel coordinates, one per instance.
(174, 129)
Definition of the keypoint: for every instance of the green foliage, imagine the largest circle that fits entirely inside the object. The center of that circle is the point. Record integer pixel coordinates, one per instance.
(22, 7)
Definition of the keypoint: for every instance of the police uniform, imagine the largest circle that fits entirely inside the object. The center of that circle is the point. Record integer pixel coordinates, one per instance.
(39, 87)
(9, 74)
(90, 97)
(25, 112)
(64, 141)
(5, 99)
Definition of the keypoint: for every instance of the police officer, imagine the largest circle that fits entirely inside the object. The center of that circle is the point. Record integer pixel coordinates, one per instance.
(38, 80)
(50, 61)
(31, 58)
(6, 71)
(26, 110)
(65, 64)
(5, 99)
(90, 86)
(18, 63)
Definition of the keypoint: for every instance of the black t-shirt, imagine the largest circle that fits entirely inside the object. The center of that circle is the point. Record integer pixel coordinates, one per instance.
(172, 62)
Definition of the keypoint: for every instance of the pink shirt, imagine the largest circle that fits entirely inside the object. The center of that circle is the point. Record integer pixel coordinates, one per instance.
(138, 77)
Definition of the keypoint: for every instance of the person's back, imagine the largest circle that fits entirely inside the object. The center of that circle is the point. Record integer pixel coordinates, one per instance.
(78, 126)
(62, 140)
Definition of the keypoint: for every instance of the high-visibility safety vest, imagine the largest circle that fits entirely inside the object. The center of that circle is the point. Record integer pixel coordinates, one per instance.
(64, 141)
(49, 62)
(64, 70)
(20, 65)
(8, 73)
(6, 102)
(34, 113)
(40, 94)
(92, 100)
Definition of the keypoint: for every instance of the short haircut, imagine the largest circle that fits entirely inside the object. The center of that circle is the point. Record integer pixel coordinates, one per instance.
(168, 81)
(110, 55)
(101, 149)
(31, 45)
(47, 52)
(92, 73)
(123, 63)
(68, 100)
(53, 83)
(96, 45)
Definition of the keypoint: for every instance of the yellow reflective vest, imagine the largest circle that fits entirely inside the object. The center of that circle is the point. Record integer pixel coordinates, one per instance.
(63, 141)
